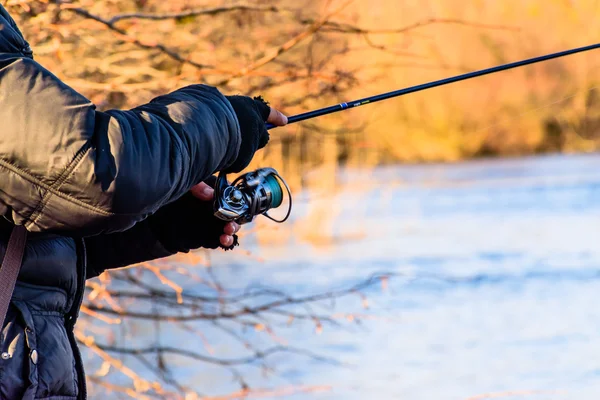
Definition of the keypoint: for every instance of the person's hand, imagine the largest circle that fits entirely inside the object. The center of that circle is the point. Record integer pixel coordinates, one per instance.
(252, 114)
(189, 223)
(248, 110)
(204, 192)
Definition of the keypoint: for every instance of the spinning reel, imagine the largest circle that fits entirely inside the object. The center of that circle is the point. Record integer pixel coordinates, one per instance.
(249, 195)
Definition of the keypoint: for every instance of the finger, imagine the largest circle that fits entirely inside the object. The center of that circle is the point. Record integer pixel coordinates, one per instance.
(277, 118)
(203, 191)
(231, 228)
(226, 240)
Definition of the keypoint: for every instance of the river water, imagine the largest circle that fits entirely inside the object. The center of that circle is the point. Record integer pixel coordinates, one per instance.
(498, 286)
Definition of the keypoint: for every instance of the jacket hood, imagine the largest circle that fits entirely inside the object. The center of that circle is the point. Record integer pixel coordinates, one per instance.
(11, 38)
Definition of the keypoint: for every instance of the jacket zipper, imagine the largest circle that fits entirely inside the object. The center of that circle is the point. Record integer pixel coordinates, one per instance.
(72, 319)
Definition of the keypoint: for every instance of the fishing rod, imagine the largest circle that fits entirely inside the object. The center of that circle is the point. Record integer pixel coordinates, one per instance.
(257, 192)
(441, 82)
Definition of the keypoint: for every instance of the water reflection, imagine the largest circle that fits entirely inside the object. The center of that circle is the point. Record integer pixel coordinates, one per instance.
(499, 275)
(505, 263)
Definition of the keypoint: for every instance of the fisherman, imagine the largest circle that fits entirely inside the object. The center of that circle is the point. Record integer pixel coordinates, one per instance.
(95, 191)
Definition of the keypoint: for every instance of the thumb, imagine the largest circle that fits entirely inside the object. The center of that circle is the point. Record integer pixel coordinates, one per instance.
(277, 118)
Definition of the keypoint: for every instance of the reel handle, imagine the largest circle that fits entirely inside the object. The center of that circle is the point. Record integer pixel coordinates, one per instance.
(230, 203)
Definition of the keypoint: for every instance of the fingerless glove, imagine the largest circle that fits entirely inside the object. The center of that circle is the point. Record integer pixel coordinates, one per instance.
(189, 223)
(252, 114)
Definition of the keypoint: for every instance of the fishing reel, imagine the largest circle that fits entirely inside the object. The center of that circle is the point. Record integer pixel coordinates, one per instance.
(251, 194)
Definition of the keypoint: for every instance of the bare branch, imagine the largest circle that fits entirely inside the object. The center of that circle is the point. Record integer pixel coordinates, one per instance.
(161, 373)
(192, 13)
(341, 27)
(244, 310)
(236, 361)
(121, 389)
(149, 46)
(290, 44)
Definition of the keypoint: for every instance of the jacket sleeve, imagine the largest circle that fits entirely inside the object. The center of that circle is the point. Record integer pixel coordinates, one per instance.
(66, 167)
(184, 225)
(120, 249)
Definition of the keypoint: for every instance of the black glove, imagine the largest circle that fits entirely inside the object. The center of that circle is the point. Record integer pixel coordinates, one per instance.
(189, 223)
(252, 113)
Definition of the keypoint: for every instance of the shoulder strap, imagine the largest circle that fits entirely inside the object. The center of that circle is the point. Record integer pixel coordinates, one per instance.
(11, 264)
